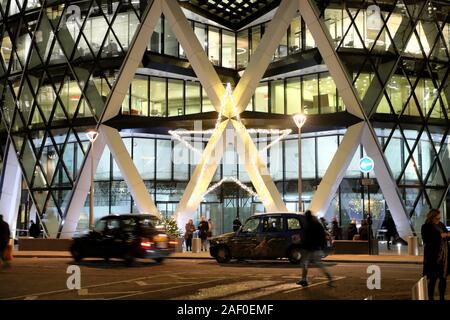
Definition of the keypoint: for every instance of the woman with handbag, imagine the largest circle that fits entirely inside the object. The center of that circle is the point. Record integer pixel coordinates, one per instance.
(436, 253)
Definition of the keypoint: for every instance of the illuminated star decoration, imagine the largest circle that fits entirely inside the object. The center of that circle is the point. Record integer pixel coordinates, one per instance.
(178, 135)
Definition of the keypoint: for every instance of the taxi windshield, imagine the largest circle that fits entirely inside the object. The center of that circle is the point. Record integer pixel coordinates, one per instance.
(250, 226)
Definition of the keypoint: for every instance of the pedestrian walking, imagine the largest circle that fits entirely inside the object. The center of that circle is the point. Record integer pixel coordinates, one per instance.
(5, 235)
(203, 233)
(236, 224)
(364, 231)
(34, 230)
(188, 234)
(313, 240)
(352, 230)
(436, 253)
(210, 228)
(391, 230)
(335, 229)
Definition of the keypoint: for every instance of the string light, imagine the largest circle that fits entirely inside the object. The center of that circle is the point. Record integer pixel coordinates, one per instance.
(229, 179)
(179, 136)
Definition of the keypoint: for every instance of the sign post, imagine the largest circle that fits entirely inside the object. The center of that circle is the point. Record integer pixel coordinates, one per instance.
(366, 166)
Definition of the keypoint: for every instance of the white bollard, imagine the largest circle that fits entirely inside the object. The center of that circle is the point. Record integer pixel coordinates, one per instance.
(196, 245)
(413, 246)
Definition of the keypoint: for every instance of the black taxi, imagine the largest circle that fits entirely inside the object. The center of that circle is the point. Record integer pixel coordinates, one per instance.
(262, 236)
(127, 236)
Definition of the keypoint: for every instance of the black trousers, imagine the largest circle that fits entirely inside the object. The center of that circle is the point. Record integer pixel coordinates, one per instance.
(432, 284)
(188, 244)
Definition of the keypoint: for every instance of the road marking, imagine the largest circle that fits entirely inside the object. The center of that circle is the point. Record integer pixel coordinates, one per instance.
(166, 289)
(31, 298)
(315, 284)
(91, 286)
(224, 290)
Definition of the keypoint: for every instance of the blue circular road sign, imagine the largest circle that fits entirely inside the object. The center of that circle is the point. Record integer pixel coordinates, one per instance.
(366, 164)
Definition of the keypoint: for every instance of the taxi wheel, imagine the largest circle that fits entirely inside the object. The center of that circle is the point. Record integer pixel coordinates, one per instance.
(223, 255)
(294, 255)
(76, 254)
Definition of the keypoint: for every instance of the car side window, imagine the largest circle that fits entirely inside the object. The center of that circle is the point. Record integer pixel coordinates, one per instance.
(113, 226)
(251, 226)
(100, 226)
(273, 224)
(129, 225)
(293, 224)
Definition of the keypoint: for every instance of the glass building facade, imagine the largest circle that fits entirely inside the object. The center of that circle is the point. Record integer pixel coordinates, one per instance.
(60, 59)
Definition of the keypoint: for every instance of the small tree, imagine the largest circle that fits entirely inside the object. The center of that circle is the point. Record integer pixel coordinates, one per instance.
(171, 227)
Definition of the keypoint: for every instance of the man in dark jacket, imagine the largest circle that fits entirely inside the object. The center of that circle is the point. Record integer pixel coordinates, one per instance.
(236, 224)
(203, 229)
(34, 231)
(313, 240)
(5, 234)
(391, 229)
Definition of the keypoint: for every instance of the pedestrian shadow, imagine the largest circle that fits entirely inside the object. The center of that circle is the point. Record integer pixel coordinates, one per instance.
(281, 264)
(113, 263)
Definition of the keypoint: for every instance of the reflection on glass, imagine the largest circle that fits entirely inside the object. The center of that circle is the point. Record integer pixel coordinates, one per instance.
(157, 97)
(261, 97)
(193, 101)
(277, 96)
(310, 95)
(214, 45)
(228, 49)
(139, 97)
(175, 97)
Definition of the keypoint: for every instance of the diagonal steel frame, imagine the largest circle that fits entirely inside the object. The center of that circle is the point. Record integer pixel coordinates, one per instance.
(322, 37)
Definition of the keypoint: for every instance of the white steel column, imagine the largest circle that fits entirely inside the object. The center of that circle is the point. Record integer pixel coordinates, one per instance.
(11, 190)
(132, 60)
(129, 171)
(337, 70)
(336, 170)
(81, 190)
(202, 176)
(262, 57)
(353, 103)
(387, 184)
(194, 52)
(257, 170)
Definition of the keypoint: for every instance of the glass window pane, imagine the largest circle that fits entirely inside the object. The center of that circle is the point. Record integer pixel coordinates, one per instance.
(155, 39)
(228, 49)
(193, 102)
(295, 42)
(144, 157)
(327, 94)
(163, 160)
(139, 96)
(175, 97)
(256, 38)
(262, 97)
(293, 92)
(157, 97)
(200, 32)
(308, 158)
(242, 49)
(170, 41)
(214, 45)
(310, 96)
(277, 96)
(207, 105)
(324, 158)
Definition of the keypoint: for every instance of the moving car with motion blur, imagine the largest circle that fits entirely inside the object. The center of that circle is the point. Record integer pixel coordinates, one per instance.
(262, 236)
(128, 236)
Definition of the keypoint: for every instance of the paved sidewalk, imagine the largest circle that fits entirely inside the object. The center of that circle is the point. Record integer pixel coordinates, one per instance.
(360, 258)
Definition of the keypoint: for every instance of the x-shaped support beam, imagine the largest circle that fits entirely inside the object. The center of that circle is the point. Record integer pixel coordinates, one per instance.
(362, 133)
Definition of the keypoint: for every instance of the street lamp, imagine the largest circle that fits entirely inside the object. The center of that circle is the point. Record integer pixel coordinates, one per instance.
(92, 136)
(299, 120)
